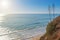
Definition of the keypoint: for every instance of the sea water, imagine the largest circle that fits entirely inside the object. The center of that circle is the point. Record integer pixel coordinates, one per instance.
(23, 26)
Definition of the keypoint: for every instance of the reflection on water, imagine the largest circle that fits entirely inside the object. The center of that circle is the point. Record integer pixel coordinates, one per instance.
(3, 31)
(18, 27)
(4, 38)
(1, 19)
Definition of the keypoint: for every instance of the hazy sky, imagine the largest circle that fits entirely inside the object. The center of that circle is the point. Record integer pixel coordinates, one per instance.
(28, 6)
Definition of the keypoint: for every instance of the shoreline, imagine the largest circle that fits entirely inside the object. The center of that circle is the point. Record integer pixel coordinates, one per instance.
(37, 37)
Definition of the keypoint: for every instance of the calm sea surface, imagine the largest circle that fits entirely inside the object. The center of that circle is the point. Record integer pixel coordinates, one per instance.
(22, 26)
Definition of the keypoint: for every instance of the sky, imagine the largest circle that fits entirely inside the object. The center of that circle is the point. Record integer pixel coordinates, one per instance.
(28, 6)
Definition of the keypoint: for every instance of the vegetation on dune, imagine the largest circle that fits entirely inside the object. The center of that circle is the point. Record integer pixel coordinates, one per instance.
(50, 30)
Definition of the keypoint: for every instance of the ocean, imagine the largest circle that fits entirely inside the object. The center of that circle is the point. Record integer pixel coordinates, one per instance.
(23, 26)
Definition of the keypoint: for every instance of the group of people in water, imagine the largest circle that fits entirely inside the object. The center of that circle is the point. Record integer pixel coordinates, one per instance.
(52, 30)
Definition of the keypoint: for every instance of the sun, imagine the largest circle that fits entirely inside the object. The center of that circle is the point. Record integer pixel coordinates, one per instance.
(4, 3)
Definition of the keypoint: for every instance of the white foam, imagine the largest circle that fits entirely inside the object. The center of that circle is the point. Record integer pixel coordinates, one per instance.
(25, 34)
(21, 34)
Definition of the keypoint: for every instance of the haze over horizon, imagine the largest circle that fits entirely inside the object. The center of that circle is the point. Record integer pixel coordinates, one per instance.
(28, 6)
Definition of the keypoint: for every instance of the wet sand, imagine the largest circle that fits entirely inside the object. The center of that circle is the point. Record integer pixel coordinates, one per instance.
(35, 37)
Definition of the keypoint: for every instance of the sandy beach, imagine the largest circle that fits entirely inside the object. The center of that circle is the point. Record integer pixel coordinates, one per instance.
(37, 37)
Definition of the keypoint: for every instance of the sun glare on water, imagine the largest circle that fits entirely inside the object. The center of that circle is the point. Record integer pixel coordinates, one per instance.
(3, 31)
(2, 15)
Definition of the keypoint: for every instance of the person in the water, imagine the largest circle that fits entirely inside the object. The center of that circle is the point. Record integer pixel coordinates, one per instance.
(52, 30)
